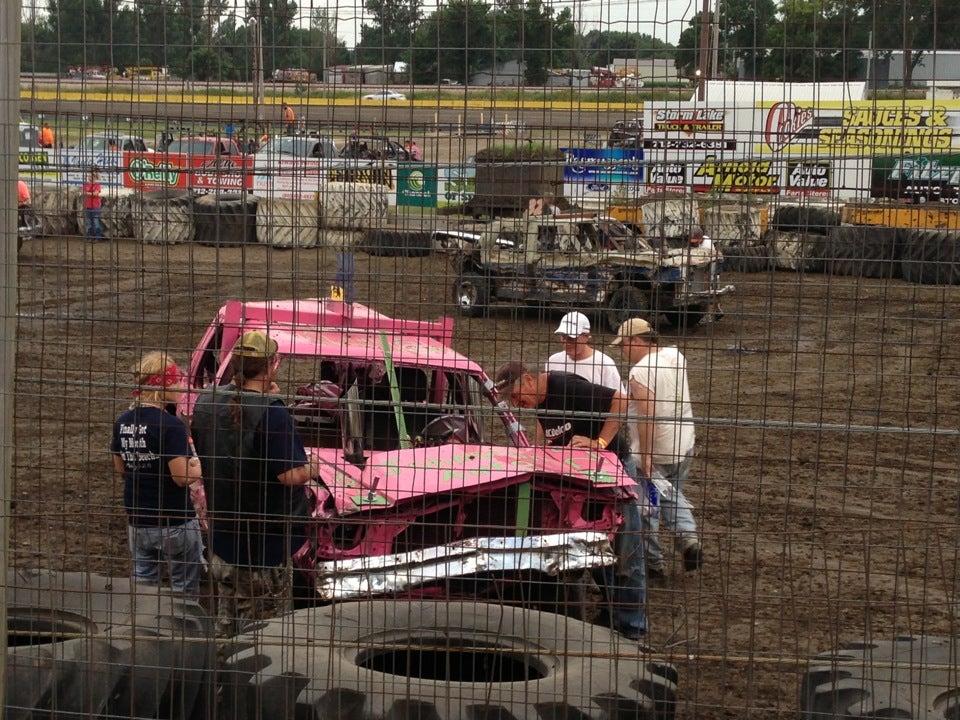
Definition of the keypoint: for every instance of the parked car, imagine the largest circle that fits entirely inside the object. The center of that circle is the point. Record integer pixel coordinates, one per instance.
(295, 153)
(413, 499)
(626, 133)
(385, 96)
(373, 147)
(582, 261)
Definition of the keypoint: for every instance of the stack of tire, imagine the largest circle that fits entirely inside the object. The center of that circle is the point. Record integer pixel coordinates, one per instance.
(287, 223)
(668, 218)
(225, 219)
(56, 210)
(163, 217)
(738, 231)
(83, 645)
(798, 239)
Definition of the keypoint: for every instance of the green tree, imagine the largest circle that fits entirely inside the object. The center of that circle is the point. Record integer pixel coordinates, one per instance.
(744, 31)
(815, 41)
(601, 47)
(390, 36)
(531, 34)
(455, 42)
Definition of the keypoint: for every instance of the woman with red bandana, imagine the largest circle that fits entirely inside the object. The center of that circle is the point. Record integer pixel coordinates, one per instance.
(151, 450)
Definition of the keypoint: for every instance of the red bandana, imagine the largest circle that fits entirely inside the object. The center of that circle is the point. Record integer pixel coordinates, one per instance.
(170, 376)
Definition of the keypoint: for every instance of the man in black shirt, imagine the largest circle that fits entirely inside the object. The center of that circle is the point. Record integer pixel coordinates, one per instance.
(572, 411)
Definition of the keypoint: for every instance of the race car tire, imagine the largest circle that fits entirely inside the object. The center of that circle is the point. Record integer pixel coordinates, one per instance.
(286, 223)
(626, 302)
(226, 219)
(686, 317)
(163, 217)
(471, 294)
(748, 259)
(86, 645)
(931, 257)
(352, 206)
(863, 251)
(440, 661)
(908, 677)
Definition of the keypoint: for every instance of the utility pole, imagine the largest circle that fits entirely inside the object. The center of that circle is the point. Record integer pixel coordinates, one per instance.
(704, 60)
(254, 24)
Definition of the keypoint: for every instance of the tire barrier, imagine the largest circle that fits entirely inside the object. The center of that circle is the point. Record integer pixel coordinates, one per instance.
(286, 223)
(798, 251)
(747, 259)
(931, 257)
(729, 225)
(863, 251)
(116, 214)
(397, 243)
(162, 217)
(85, 645)
(908, 677)
(805, 219)
(440, 660)
(56, 210)
(225, 219)
(669, 218)
(352, 206)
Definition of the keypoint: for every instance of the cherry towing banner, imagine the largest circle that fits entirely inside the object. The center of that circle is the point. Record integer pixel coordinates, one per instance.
(181, 171)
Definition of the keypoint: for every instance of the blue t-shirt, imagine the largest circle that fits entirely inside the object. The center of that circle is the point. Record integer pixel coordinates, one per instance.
(146, 439)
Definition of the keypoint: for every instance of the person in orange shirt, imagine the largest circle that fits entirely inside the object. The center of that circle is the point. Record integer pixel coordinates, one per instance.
(46, 136)
(92, 203)
(23, 194)
(289, 119)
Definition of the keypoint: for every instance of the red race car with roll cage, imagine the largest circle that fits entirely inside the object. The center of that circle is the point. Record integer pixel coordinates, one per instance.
(412, 498)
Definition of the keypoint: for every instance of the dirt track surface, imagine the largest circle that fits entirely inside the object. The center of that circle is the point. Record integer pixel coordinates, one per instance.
(818, 530)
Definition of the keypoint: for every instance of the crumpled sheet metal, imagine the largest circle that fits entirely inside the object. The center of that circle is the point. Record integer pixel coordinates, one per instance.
(391, 574)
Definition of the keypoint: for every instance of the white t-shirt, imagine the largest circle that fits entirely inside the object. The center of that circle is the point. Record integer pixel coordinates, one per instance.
(598, 368)
(664, 373)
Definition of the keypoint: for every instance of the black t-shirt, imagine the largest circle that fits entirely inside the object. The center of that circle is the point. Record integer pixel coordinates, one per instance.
(575, 406)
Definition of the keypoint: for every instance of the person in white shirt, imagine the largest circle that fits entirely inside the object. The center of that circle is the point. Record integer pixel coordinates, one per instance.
(704, 242)
(579, 358)
(663, 435)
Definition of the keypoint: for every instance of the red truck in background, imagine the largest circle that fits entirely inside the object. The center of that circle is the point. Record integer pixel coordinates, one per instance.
(191, 163)
(601, 77)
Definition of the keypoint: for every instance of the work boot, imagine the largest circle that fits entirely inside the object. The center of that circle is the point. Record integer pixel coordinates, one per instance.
(692, 554)
(656, 569)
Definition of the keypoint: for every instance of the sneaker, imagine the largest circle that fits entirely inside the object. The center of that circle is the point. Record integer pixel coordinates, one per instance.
(706, 320)
(692, 555)
(656, 570)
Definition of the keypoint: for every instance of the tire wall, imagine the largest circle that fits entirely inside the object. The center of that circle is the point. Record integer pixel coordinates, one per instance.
(56, 210)
(282, 222)
(669, 216)
(162, 218)
(734, 225)
(86, 645)
(352, 206)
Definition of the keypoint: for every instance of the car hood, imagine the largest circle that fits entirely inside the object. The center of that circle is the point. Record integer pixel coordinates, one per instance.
(394, 477)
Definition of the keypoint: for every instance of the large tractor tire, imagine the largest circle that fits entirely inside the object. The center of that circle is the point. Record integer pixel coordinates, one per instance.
(397, 243)
(669, 219)
(798, 251)
(286, 223)
(931, 257)
(863, 251)
(226, 219)
(163, 217)
(57, 212)
(352, 206)
(909, 677)
(805, 219)
(440, 661)
(748, 259)
(84, 645)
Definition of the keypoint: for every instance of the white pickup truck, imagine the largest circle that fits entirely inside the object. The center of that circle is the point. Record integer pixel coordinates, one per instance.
(104, 150)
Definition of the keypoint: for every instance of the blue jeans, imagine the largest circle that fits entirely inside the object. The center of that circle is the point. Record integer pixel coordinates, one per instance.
(675, 511)
(627, 579)
(94, 228)
(177, 547)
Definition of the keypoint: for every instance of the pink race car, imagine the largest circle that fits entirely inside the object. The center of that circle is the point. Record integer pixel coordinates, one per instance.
(413, 499)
